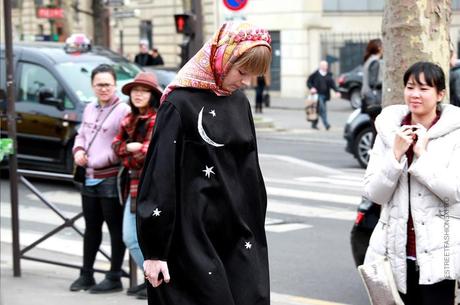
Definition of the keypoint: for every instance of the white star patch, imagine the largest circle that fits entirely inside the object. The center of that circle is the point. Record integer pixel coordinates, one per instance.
(174, 141)
(156, 212)
(213, 113)
(208, 171)
(247, 245)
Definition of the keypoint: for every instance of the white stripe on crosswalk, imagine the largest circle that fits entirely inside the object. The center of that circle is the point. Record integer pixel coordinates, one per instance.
(325, 197)
(309, 211)
(296, 161)
(316, 182)
(286, 299)
(286, 227)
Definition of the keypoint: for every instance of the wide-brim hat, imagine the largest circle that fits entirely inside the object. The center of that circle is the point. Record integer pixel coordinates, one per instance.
(145, 79)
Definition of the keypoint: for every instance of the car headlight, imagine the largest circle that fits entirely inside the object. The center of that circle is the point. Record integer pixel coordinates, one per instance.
(353, 115)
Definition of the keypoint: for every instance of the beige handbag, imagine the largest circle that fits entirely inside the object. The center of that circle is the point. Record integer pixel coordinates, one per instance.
(380, 283)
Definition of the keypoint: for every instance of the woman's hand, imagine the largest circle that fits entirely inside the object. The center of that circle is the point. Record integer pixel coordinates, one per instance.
(80, 158)
(422, 140)
(156, 271)
(403, 140)
(133, 146)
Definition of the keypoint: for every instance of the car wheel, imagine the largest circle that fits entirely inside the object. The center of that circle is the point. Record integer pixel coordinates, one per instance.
(362, 146)
(355, 98)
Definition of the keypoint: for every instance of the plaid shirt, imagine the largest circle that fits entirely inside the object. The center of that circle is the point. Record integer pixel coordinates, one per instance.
(134, 128)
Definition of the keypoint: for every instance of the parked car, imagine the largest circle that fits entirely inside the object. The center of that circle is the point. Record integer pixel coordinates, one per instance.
(53, 86)
(359, 137)
(349, 84)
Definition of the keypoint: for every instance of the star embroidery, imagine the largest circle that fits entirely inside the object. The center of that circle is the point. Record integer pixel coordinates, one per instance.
(208, 171)
(213, 113)
(156, 212)
(247, 245)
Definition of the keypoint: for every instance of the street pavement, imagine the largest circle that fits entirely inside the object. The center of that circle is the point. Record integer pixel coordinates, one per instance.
(48, 284)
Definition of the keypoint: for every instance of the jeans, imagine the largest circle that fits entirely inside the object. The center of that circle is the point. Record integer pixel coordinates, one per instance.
(130, 235)
(322, 112)
(98, 208)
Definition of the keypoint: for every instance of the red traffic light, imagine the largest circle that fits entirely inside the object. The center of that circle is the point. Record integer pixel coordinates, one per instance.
(184, 24)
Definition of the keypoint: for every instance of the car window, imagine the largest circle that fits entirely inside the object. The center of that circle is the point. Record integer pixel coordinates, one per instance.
(34, 79)
(78, 76)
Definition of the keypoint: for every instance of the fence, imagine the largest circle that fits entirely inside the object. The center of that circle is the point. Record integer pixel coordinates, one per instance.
(344, 51)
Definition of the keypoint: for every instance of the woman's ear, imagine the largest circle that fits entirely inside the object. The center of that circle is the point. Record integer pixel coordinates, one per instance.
(441, 95)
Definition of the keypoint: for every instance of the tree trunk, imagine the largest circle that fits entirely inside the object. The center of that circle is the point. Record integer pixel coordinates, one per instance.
(413, 31)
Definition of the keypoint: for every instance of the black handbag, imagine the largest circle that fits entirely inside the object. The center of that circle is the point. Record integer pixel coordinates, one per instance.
(372, 102)
(79, 174)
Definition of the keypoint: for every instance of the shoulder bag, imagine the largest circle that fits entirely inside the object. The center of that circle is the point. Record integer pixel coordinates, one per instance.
(379, 281)
(79, 173)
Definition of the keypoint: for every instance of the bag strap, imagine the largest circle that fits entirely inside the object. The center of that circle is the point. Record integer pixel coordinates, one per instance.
(102, 123)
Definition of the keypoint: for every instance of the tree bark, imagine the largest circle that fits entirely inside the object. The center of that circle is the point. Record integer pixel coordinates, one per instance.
(99, 24)
(413, 31)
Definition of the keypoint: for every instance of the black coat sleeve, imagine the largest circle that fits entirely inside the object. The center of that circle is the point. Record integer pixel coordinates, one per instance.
(157, 193)
(310, 81)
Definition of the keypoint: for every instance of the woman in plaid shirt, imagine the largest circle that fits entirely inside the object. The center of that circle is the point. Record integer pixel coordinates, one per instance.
(131, 145)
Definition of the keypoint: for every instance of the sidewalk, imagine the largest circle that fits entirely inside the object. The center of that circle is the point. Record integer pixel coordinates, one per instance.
(45, 284)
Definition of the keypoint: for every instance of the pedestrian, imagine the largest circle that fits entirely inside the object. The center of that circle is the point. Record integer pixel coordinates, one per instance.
(143, 58)
(157, 60)
(321, 82)
(202, 199)
(92, 149)
(260, 86)
(131, 145)
(454, 80)
(371, 90)
(414, 173)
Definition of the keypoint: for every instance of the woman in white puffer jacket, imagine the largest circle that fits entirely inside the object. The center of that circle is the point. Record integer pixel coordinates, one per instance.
(414, 173)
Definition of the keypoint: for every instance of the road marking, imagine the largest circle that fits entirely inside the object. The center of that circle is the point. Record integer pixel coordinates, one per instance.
(308, 211)
(325, 197)
(286, 299)
(71, 197)
(286, 227)
(304, 163)
(317, 182)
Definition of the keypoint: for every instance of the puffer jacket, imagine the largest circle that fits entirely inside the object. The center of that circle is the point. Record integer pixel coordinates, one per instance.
(434, 195)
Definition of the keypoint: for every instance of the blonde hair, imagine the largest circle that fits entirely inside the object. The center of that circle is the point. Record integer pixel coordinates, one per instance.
(256, 60)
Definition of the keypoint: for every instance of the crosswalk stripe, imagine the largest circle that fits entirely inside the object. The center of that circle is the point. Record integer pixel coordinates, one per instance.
(309, 211)
(286, 299)
(297, 161)
(325, 197)
(316, 183)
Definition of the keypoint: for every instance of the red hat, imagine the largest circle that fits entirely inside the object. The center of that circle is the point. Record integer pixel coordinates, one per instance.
(144, 79)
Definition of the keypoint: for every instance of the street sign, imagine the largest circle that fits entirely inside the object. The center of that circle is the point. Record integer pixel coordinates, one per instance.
(50, 13)
(125, 14)
(235, 5)
(114, 3)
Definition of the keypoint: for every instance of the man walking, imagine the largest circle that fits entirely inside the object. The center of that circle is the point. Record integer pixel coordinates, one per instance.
(321, 82)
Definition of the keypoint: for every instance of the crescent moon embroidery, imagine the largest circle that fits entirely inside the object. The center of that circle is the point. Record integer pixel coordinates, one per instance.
(203, 134)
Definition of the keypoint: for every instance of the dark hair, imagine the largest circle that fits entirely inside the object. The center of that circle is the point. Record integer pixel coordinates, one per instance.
(373, 47)
(154, 102)
(103, 68)
(434, 75)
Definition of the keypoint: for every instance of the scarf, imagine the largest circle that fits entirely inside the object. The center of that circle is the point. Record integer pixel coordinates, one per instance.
(207, 69)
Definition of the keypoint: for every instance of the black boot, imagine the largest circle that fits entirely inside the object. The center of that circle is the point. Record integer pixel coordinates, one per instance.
(107, 286)
(84, 282)
(134, 290)
(142, 294)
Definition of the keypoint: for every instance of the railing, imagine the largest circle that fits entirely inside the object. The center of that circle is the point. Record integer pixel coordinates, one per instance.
(67, 222)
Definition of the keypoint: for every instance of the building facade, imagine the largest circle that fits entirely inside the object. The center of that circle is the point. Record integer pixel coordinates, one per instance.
(303, 32)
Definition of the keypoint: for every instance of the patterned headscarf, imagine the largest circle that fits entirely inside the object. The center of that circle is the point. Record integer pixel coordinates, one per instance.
(209, 66)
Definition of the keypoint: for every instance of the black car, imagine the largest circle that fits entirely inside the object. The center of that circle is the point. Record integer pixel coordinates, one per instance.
(53, 86)
(350, 84)
(359, 136)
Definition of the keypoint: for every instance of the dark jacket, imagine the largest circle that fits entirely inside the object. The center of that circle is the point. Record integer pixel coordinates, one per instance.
(201, 204)
(454, 86)
(143, 59)
(323, 84)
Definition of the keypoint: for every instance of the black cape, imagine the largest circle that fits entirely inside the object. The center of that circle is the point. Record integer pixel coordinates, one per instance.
(201, 206)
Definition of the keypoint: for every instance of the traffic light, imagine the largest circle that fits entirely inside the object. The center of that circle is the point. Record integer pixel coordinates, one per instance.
(185, 24)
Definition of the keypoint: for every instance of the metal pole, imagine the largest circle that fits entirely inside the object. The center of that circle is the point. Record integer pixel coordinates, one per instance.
(197, 40)
(12, 159)
(121, 42)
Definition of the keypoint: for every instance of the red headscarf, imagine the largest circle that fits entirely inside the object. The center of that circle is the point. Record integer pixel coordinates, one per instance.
(207, 69)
